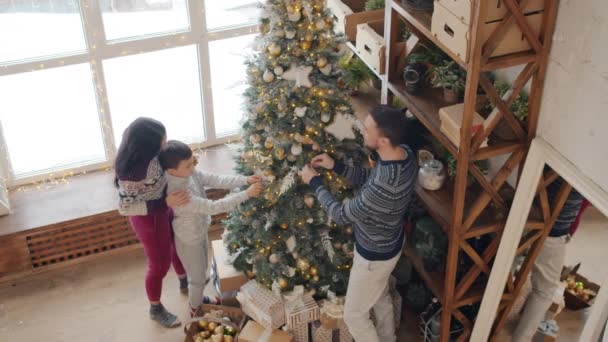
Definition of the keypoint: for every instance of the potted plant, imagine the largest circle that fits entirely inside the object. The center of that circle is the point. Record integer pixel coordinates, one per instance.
(355, 72)
(418, 65)
(451, 78)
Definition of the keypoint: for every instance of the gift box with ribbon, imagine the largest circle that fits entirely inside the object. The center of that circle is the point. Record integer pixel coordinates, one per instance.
(300, 310)
(332, 311)
(339, 334)
(262, 305)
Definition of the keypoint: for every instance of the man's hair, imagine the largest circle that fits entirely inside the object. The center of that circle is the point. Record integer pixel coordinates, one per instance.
(173, 154)
(391, 122)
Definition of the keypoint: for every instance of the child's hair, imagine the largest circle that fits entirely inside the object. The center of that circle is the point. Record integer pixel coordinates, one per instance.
(173, 154)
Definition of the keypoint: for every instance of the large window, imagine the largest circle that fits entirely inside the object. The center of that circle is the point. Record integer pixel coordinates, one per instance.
(74, 74)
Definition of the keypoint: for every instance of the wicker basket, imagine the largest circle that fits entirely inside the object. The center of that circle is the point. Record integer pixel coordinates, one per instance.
(236, 315)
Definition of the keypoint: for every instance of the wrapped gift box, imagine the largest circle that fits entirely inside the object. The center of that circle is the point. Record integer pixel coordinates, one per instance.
(262, 305)
(254, 332)
(226, 277)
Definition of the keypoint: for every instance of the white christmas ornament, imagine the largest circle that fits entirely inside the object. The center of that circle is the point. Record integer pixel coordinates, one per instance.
(253, 115)
(278, 70)
(320, 24)
(299, 74)
(279, 33)
(296, 149)
(290, 34)
(298, 137)
(325, 117)
(342, 127)
(326, 70)
(300, 112)
(291, 243)
(295, 16)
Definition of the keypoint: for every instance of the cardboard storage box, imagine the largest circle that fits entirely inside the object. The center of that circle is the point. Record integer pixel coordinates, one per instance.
(495, 10)
(350, 13)
(253, 331)
(451, 121)
(455, 34)
(228, 278)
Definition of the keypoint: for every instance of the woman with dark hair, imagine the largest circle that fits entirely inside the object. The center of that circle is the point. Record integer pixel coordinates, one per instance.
(142, 189)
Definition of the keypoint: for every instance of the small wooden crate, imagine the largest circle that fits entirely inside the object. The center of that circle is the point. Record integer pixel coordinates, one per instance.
(236, 316)
(371, 47)
(495, 10)
(350, 13)
(455, 34)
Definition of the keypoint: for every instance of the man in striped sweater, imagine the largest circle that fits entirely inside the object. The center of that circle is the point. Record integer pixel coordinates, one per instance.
(376, 214)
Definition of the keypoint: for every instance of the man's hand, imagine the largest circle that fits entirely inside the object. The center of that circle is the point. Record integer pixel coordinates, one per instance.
(307, 174)
(324, 161)
(254, 179)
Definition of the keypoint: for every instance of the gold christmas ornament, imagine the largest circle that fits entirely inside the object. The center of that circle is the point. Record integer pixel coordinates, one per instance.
(268, 173)
(254, 139)
(315, 279)
(313, 270)
(303, 264)
(284, 226)
(269, 143)
(283, 283)
(349, 230)
(321, 62)
(268, 76)
(250, 274)
(308, 37)
(324, 103)
(320, 24)
(318, 7)
(280, 153)
(305, 45)
(274, 49)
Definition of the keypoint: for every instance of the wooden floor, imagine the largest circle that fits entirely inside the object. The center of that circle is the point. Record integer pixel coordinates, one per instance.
(104, 300)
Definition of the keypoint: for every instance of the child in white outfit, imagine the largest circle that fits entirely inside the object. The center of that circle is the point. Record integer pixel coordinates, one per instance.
(191, 221)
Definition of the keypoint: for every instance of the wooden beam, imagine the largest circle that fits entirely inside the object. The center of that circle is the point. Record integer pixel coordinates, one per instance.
(487, 187)
(483, 266)
(535, 225)
(530, 36)
(462, 166)
(507, 61)
(473, 273)
(502, 106)
(544, 201)
(497, 150)
(550, 177)
(529, 240)
(497, 182)
(510, 96)
(483, 230)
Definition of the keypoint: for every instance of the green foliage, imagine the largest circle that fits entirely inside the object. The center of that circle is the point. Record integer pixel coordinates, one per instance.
(448, 75)
(355, 70)
(519, 107)
(430, 243)
(427, 55)
(371, 5)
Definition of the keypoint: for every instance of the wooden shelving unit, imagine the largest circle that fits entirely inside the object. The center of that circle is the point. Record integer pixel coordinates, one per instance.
(463, 211)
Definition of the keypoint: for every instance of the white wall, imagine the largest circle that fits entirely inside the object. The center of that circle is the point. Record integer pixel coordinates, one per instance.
(574, 110)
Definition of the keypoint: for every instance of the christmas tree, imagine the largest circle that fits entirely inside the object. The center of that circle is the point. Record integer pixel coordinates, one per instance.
(296, 108)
